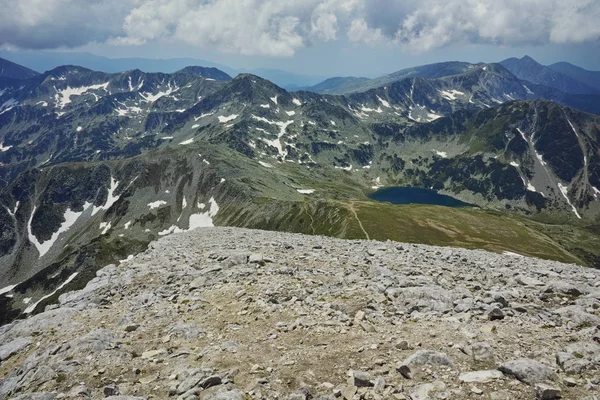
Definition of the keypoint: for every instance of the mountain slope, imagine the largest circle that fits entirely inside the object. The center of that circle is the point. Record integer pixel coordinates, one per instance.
(338, 85)
(11, 70)
(589, 78)
(354, 85)
(528, 69)
(95, 166)
(226, 313)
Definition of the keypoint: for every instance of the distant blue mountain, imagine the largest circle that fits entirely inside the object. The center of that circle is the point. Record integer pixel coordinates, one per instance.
(46, 61)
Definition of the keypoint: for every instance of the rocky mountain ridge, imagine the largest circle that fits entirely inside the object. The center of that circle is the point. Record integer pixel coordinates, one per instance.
(226, 313)
(10, 70)
(528, 69)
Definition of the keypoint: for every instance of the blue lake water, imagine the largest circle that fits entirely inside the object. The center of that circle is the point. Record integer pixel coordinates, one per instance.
(408, 195)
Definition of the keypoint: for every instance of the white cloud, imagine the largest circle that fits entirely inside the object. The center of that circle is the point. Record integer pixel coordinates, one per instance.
(281, 27)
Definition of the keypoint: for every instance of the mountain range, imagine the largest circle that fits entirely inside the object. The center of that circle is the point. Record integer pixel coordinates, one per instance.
(95, 166)
(563, 76)
(46, 61)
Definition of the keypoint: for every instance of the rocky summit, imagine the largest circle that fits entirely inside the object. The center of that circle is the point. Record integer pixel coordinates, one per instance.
(229, 313)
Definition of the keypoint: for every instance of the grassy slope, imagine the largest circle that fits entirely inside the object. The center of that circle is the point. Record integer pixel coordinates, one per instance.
(334, 210)
(462, 227)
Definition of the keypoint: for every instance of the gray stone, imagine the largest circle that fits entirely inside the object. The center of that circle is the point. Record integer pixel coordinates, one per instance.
(528, 281)
(256, 258)
(480, 376)
(379, 385)
(211, 381)
(577, 315)
(110, 390)
(36, 396)
(480, 351)
(546, 392)
(224, 394)
(360, 379)
(563, 287)
(426, 391)
(495, 313)
(79, 392)
(423, 357)
(198, 283)
(125, 398)
(237, 259)
(528, 371)
(13, 347)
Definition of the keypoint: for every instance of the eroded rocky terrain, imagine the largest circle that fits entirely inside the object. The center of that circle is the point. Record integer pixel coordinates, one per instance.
(226, 313)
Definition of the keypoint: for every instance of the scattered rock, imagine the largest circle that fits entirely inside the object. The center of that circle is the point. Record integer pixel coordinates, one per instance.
(480, 351)
(427, 391)
(528, 371)
(423, 357)
(495, 314)
(546, 392)
(13, 347)
(360, 379)
(325, 306)
(480, 376)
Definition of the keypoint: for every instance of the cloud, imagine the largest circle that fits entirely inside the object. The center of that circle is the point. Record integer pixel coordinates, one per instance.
(282, 27)
(46, 24)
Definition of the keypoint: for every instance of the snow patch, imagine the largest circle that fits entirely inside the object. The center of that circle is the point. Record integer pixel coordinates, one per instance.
(105, 226)
(30, 309)
(282, 128)
(291, 113)
(274, 99)
(442, 154)
(305, 191)
(127, 224)
(157, 204)
(564, 190)
(110, 200)
(186, 142)
(3, 149)
(377, 184)
(79, 129)
(8, 288)
(384, 102)
(514, 164)
(224, 119)
(151, 98)
(70, 218)
(451, 94)
(585, 161)
(265, 164)
(510, 253)
(63, 97)
(297, 102)
(203, 116)
(265, 105)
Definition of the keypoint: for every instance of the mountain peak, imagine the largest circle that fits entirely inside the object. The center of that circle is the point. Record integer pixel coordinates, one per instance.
(207, 72)
(9, 69)
(529, 60)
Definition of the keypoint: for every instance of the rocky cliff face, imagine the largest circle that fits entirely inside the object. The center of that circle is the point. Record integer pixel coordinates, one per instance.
(225, 313)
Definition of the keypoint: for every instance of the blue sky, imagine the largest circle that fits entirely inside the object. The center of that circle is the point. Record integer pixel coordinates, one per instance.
(315, 37)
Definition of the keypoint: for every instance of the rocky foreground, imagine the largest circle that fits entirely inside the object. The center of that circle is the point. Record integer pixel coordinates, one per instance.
(234, 314)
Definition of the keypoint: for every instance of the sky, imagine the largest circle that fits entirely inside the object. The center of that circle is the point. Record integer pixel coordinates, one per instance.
(316, 37)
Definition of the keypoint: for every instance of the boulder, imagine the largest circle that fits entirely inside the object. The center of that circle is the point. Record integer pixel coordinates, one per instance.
(528, 371)
(423, 357)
